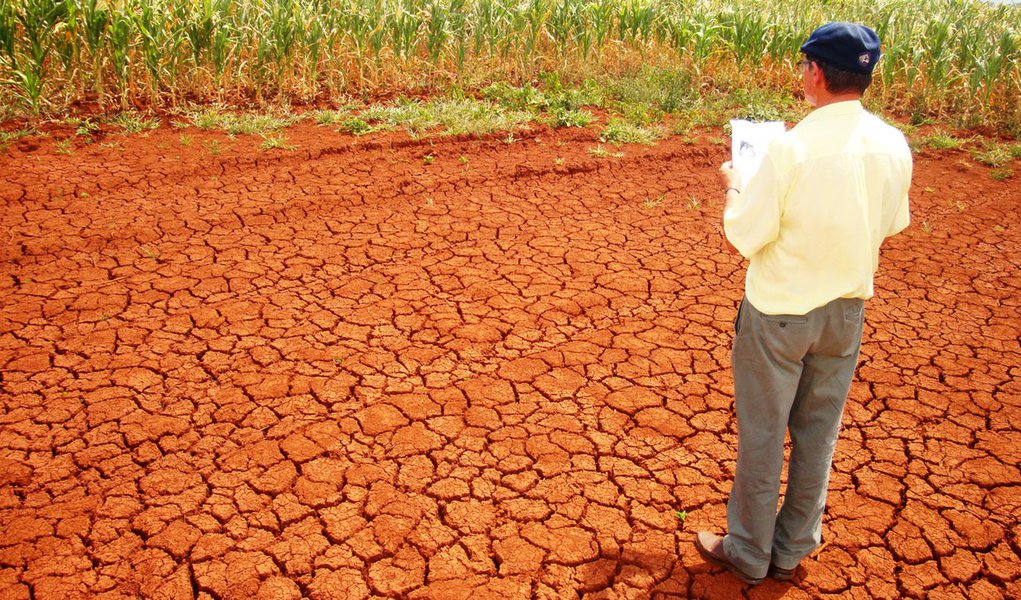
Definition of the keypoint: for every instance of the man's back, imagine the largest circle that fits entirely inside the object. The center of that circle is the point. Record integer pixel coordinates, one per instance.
(813, 217)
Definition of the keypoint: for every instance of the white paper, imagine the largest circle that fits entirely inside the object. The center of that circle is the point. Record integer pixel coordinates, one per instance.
(749, 141)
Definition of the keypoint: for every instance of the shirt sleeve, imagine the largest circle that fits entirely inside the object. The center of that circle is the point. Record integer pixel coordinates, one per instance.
(752, 220)
(902, 214)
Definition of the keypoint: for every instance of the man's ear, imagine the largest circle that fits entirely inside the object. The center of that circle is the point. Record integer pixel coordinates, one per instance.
(817, 76)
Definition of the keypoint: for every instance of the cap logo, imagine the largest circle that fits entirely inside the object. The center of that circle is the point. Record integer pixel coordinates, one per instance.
(864, 59)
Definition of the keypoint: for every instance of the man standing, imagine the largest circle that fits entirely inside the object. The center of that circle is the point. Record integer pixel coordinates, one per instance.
(810, 221)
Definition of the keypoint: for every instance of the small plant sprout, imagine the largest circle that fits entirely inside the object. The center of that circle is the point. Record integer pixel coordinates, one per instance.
(184, 140)
(559, 161)
(271, 142)
(212, 147)
(510, 139)
(356, 126)
(8, 137)
(149, 252)
(694, 203)
(1002, 173)
(428, 159)
(132, 122)
(85, 128)
(926, 227)
(599, 152)
(329, 117)
(651, 203)
(463, 159)
(65, 147)
(681, 516)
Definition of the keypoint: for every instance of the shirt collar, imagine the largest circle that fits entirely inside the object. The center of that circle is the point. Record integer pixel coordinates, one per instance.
(837, 109)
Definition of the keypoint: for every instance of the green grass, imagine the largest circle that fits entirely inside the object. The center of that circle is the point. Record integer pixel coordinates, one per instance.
(619, 131)
(938, 140)
(9, 137)
(761, 104)
(445, 116)
(1002, 173)
(562, 117)
(133, 122)
(551, 94)
(994, 155)
(219, 118)
(358, 126)
(662, 90)
(329, 117)
(275, 142)
(84, 127)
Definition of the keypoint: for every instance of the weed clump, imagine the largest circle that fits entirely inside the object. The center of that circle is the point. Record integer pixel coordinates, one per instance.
(619, 131)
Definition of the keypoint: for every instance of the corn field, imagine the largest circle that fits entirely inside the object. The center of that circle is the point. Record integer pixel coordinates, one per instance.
(942, 57)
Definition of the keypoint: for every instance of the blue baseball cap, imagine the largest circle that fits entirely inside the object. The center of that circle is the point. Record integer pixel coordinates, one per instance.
(847, 46)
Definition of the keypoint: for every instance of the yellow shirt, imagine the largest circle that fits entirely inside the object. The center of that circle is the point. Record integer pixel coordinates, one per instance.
(812, 218)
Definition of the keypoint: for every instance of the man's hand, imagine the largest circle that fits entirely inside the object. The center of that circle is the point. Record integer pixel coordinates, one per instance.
(729, 175)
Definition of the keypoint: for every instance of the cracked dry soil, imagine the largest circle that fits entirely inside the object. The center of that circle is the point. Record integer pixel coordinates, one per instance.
(351, 371)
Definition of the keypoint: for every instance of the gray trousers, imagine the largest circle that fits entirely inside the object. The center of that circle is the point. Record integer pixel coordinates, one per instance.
(790, 373)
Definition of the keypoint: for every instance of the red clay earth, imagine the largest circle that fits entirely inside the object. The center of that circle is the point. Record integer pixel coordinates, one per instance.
(464, 368)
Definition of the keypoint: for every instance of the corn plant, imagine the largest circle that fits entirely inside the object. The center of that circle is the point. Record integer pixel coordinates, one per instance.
(8, 34)
(38, 23)
(749, 33)
(955, 59)
(636, 20)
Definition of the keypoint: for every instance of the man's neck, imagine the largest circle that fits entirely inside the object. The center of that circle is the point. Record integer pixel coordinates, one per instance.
(826, 99)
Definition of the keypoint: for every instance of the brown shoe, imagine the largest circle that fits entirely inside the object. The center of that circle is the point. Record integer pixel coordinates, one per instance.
(710, 546)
